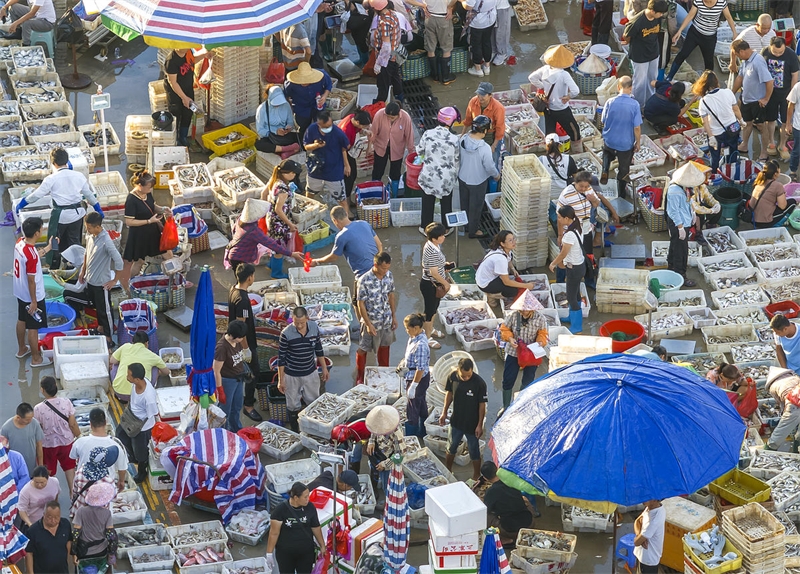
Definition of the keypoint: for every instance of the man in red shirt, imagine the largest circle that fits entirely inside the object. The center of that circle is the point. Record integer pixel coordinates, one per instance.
(29, 291)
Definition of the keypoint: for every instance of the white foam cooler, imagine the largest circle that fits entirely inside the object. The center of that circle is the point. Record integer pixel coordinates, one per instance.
(84, 375)
(451, 562)
(454, 509)
(171, 401)
(463, 543)
(80, 349)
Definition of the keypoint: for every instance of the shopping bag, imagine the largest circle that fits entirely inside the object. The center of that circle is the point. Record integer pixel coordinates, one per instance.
(276, 72)
(525, 357)
(169, 235)
(749, 402)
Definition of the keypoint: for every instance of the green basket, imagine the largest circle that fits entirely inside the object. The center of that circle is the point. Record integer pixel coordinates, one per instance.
(416, 67)
(463, 275)
(459, 63)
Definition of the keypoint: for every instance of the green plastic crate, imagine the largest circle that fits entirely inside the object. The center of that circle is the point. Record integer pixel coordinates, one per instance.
(463, 275)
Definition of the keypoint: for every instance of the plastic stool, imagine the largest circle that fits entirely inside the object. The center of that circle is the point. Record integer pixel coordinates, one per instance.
(625, 550)
(48, 40)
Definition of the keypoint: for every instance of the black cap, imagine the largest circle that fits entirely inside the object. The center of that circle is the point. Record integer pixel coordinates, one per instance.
(289, 165)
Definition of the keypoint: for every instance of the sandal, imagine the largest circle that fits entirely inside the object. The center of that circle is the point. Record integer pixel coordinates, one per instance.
(25, 354)
(740, 150)
(45, 362)
(763, 159)
(477, 235)
(772, 150)
(437, 334)
(434, 344)
(784, 154)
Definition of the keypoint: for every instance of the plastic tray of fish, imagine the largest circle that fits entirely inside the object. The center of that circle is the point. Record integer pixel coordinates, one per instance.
(774, 252)
(745, 296)
(425, 468)
(736, 278)
(323, 414)
(461, 293)
(744, 315)
(137, 537)
(25, 168)
(365, 500)
(284, 474)
(128, 506)
(336, 341)
(785, 489)
(725, 262)
(791, 540)
(324, 295)
(701, 317)
(756, 370)
(771, 236)
(248, 526)
(151, 558)
(768, 464)
(672, 323)
(383, 379)
(476, 337)
(40, 95)
(688, 298)
(279, 443)
(201, 557)
(432, 426)
(780, 269)
(660, 249)
(556, 543)
(193, 178)
(768, 410)
(783, 289)
(585, 518)
(247, 566)
(197, 533)
(48, 80)
(723, 240)
(720, 338)
(364, 397)
(765, 333)
(750, 352)
(464, 314)
(240, 183)
(29, 61)
(86, 398)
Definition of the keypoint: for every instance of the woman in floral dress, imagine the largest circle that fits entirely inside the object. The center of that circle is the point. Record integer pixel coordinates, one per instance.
(439, 176)
(279, 192)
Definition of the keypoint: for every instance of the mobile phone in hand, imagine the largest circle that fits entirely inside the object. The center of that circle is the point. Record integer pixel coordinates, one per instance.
(54, 243)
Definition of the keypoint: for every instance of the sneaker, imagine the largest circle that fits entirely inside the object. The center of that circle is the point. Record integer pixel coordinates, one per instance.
(499, 60)
(474, 72)
(486, 69)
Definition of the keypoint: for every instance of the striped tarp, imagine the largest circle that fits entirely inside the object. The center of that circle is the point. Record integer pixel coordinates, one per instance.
(207, 22)
(238, 481)
(12, 542)
(396, 521)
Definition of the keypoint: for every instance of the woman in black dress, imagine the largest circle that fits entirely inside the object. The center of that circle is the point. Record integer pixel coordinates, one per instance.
(144, 220)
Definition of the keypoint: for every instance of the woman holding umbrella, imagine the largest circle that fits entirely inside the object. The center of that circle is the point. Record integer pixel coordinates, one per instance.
(524, 325)
(294, 523)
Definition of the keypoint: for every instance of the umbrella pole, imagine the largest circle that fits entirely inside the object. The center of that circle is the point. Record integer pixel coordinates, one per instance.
(614, 547)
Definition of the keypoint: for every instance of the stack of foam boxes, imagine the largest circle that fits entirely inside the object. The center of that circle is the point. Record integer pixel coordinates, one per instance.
(344, 514)
(456, 517)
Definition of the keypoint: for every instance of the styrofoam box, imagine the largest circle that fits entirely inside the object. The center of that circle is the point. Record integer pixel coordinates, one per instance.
(465, 543)
(161, 482)
(454, 509)
(81, 349)
(451, 560)
(172, 400)
(89, 374)
(91, 393)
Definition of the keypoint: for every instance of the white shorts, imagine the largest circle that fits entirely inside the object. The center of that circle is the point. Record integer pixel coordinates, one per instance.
(320, 186)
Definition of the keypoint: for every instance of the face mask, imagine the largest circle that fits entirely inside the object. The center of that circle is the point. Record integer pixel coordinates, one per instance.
(326, 130)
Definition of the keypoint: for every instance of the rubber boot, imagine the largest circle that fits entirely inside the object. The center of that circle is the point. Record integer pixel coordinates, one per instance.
(447, 75)
(292, 420)
(276, 267)
(361, 365)
(141, 474)
(395, 188)
(183, 135)
(433, 64)
(383, 356)
(575, 321)
(507, 396)
(289, 150)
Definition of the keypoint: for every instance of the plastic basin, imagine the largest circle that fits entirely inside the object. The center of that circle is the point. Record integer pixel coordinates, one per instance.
(667, 277)
(252, 436)
(789, 309)
(52, 290)
(412, 171)
(792, 190)
(57, 308)
(626, 326)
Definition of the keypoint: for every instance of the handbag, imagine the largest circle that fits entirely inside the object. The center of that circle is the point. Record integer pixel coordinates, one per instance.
(731, 130)
(276, 72)
(130, 423)
(749, 211)
(440, 290)
(539, 102)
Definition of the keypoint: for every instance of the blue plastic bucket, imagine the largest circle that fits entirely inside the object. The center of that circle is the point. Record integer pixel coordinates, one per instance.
(57, 308)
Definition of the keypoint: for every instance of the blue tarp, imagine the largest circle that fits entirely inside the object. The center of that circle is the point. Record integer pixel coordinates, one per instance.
(619, 428)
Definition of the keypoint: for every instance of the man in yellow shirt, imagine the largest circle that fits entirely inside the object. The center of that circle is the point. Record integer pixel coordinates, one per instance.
(134, 352)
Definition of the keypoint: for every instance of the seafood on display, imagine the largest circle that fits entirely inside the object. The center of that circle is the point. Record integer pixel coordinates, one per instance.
(524, 114)
(56, 320)
(700, 139)
(401, 406)
(241, 155)
(48, 129)
(587, 129)
(667, 322)
(728, 282)
(576, 511)
(178, 372)
(775, 254)
(581, 110)
(142, 536)
(24, 164)
(38, 97)
(198, 536)
(545, 540)
(230, 137)
(464, 295)
(473, 334)
(765, 334)
(685, 302)
(148, 558)
(460, 315)
(507, 100)
(27, 150)
(776, 462)
(704, 363)
(10, 140)
(194, 175)
(276, 287)
(341, 98)
(386, 381)
(784, 487)
(527, 136)
(250, 522)
(171, 358)
(24, 84)
(782, 272)
(721, 242)
(436, 481)
(122, 504)
(84, 402)
(787, 291)
(721, 340)
(222, 323)
(753, 241)
(753, 352)
(576, 48)
(726, 265)
(82, 419)
(423, 467)
(410, 444)
(365, 497)
(95, 137)
(335, 339)
(10, 126)
(682, 151)
(768, 410)
(45, 115)
(530, 11)
(586, 164)
(240, 181)
(372, 201)
(244, 570)
(363, 397)
(27, 58)
(195, 557)
(755, 372)
(645, 154)
(791, 550)
(741, 318)
(496, 202)
(326, 408)
(5, 53)
(752, 296)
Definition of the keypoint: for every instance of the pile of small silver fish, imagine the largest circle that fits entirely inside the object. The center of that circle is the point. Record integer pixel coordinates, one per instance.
(737, 262)
(27, 58)
(198, 536)
(122, 504)
(775, 254)
(326, 297)
(460, 315)
(700, 140)
(728, 282)
(721, 242)
(30, 115)
(95, 137)
(685, 302)
(477, 334)
(148, 558)
(786, 292)
(538, 539)
(585, 164)
(334, 339)
(720, 340)
(45, 147)
(365, 497)
(172, 358)
(645, 154)
(423, 467)
(784, 486)
(10, 140)
(250, 522)
(24, 165)
(240, 181)
(241, 155)
(765, 334)
(276, 287)
(587, 130)
(752, 352)
(326, 408)
(385, 381)
(401, 404)
(782, 272)
(792, 550)
(228, 138)
(25, 84)
(38, 97)
(82, 419)
(363, 397)
(577, 511)
(27, 150)
(740, 318)
(704, 363)
(194, 175)
(332, 316)
(10, 126)
(48, 129)
(663, 251)
(84, 402)
(667, 322)
(754, 296)
(753, 241)
(527, 136)
(464, 295)
(776, 462)
(755, 372)
(142, 536)
(521, 115)
(5, 52)
(244, 570)
(581, 110)
(195, 556)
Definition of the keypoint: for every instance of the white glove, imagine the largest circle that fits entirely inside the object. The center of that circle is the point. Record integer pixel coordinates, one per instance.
(247, 355)
(712, 142)
(716, 209)
(681, 236)
(412, 390)
(377, 69)
(270, 561)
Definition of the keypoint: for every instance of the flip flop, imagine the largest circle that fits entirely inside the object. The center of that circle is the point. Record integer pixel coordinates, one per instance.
(25, 354)
(45, 362)
(434, 344)
(437, 334)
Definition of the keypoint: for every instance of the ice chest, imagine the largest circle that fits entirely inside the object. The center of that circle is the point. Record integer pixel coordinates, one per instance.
(461, 544)
(79, 349)
(683, 516)
(455, 509)
(84, 375)
(171, 401)
(369, 531)
(450, 561)
(433, 562)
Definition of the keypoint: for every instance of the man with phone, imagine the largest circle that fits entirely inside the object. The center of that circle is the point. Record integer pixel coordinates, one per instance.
(29, 291)
(102, 268)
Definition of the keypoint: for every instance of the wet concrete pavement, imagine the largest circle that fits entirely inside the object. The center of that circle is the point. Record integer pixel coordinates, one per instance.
(127, 84)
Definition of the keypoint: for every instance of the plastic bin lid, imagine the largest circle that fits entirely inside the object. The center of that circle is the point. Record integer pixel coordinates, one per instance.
(600, 50)
(687, 515)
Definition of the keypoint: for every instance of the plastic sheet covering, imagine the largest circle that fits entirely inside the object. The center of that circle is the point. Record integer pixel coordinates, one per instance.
(619, 428)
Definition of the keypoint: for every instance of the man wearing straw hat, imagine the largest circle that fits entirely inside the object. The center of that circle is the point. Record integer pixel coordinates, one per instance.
(307, 89)
(558, 88)
(680, 216)
(622, 130)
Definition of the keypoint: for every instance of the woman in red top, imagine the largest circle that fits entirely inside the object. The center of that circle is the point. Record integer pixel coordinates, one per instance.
(352, 126)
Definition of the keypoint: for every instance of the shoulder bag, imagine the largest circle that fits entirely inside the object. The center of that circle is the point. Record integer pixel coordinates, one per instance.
(58, 412)
(539, 102)
(731, 130)
(750, 207)
(130, 423)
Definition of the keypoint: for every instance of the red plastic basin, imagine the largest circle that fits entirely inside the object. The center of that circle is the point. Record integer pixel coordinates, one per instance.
(789, 309)
(252, 436)
(626, 326)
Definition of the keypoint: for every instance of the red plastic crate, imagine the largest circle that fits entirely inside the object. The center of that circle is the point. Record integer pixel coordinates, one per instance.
(789, 309)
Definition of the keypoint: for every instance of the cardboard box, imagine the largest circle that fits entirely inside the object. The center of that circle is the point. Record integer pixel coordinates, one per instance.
(453, 509)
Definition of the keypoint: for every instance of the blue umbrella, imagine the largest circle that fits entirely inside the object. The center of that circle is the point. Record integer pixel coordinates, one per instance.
(618, 428)
(203, 339)
(493, 557)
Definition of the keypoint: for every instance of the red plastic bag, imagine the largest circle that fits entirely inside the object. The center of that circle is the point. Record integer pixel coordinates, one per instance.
(748, 403)
(297, 242)
(276, 72)
(162, 432)
(525, 357)
(169, 235)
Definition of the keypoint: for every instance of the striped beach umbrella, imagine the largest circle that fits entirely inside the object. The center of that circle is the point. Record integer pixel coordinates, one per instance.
(191, 23)
(12, 542)
(396, 521)
(493, 557)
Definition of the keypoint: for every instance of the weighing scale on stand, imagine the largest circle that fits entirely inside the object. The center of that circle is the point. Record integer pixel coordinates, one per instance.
(182, 315)
(456, 219)
(343, 68)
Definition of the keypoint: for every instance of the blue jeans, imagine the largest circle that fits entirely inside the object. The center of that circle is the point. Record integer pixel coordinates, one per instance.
(456, 435)
(794, 159)
(234, 395)
(723, 141)
(510, 371)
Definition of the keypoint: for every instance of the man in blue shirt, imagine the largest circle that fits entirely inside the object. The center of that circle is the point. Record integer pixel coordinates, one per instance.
(622, 121)
(787, 342)
(326, 145)
(756, 83)
(356, 241)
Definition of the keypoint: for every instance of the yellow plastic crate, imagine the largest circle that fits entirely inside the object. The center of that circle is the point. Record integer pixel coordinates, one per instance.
(248, 140)
(725, 567)
(740, 488)
(310, 237)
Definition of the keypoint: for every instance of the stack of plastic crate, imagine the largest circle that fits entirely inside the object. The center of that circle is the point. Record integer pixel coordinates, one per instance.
(235, 90)
(137, 137)
(526, 197)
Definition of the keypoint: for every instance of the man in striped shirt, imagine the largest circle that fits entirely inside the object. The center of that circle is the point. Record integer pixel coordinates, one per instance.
(299, 352)
(295, 46)
(385, 40)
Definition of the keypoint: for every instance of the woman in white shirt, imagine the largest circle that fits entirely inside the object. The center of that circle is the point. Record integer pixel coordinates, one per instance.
(492, 275)
(722, 119)
(481, 18)
(560, 166)
(572, 259)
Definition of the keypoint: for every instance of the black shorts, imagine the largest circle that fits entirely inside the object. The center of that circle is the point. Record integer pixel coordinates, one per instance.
(776, 107)
(753, 112)
(31, 323)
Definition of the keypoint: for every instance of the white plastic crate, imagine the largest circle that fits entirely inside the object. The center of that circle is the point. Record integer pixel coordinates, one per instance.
(735, 278)
(695, 252)
(163, 550)
(135, 498)
(479, 345)
(482, 305)
(761, 254)
(239, 197)
(79, 349)
(773, 235)
(668, 299)
(702, 317)
(321, 276)
(122, 551)
(256, 564)
(281, 455)
(320, 428)
(746, 333)
(494, 212)
(671, 332)
(741, 315)
(720, 301)
(709, 265)
(284, 474)
(176, 532)
(365, 398)
(112, 144)
(737, 243)
(460, 289)
(780, 269)
(237, 536)
(563, 312)
(96, 394)
(405, 212)
(424, 452)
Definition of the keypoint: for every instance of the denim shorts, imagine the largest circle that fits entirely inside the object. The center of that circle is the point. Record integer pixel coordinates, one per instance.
(472, 443)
